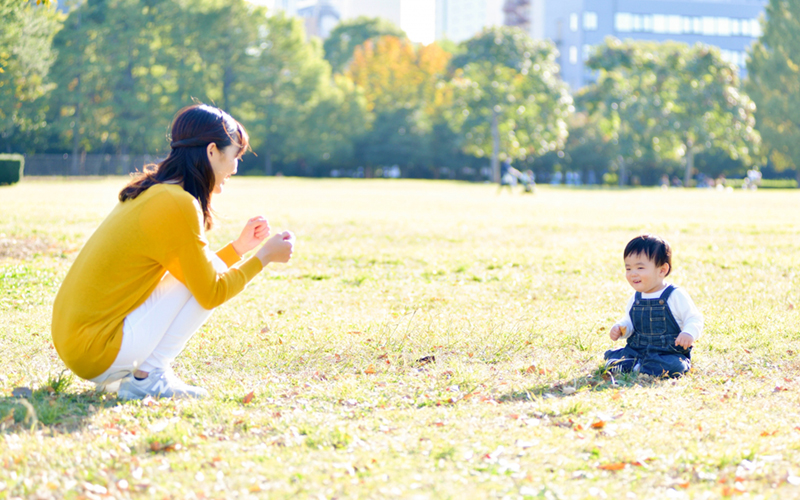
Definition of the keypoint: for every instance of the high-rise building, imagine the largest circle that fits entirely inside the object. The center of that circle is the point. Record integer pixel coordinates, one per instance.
(458, 20)
(575, 26)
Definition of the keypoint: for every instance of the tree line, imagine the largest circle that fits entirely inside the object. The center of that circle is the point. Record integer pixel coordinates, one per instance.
(109, 76)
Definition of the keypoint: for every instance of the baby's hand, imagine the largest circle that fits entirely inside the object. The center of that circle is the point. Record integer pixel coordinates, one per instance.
(615, 333)
(684, 340)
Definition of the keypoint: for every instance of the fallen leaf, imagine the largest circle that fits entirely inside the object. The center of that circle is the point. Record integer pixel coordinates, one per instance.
(612, 466)
(248, 398)
(426, 360)
(531, 369)
(683, 485)
(616, 395)
(370, 370)
(598, 425)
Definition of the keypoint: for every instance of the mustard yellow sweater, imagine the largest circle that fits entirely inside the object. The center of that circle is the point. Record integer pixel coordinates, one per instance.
(121, 264)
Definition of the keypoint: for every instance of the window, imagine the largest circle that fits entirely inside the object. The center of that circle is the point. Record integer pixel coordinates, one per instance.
(590, 21)
(675, 25)
(587, 52)
(755, 28)
(573, 22)
(736, 27)
(648, 23)
(573, 54)
(723, 26)
(697, 25)
(687, 25)
(638, 25)
(623, 22)
(660, 23)
(709, 26)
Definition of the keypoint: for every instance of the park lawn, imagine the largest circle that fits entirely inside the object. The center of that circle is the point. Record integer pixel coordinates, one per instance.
(317, 385)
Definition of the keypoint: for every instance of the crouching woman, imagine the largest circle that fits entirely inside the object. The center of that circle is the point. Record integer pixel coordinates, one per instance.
(146, 281)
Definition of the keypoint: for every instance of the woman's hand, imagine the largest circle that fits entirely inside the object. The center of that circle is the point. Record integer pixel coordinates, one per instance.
(277, 249)
(255, 231)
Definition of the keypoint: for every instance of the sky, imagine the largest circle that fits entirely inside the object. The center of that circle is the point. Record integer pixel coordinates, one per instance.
(418, 20)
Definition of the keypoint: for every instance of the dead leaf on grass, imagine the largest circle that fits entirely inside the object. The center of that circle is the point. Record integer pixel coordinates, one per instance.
(249, 397)
(598, 425)
(612, 466)
(371, 370)
(426, 360)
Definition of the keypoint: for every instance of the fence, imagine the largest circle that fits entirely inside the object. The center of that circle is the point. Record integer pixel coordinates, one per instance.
(86, 164)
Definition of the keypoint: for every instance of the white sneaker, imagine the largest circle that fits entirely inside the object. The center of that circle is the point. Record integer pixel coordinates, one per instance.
(158, 384)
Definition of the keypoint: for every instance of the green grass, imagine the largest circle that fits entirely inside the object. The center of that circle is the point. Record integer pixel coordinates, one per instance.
(512, 295)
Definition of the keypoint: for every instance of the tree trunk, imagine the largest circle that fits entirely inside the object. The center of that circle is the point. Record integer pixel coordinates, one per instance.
(77, 122)
(495, 148)
(76, 132)
(268, 163)
(687, 177)
(623, 174)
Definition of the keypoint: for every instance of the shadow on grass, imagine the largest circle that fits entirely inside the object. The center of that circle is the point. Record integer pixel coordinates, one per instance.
(599, 380)
(51, 407)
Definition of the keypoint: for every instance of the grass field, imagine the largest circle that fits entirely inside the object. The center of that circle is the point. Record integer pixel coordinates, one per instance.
(511, 296)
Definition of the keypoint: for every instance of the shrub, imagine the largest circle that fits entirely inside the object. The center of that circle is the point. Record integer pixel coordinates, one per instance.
(11, 167)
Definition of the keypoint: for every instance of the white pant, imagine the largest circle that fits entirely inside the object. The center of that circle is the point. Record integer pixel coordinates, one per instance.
(157, 331)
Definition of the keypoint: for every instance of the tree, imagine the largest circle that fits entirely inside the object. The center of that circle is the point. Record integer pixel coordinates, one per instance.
(671, 99)
(25, 61)
(509, 101)
(349, 34)
(401, 83)
(774, 83)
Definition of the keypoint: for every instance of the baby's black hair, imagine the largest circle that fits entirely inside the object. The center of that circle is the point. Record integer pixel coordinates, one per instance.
(651, 246)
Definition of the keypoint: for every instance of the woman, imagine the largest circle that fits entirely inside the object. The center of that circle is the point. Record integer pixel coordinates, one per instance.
(146, 280)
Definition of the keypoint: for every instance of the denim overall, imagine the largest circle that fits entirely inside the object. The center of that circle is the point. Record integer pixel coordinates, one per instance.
(652, 344)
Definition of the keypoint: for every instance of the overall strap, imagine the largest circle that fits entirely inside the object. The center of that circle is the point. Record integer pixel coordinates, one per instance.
(637, 297)
(667, 292)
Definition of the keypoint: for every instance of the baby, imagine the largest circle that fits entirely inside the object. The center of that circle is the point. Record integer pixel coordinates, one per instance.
(661, 322)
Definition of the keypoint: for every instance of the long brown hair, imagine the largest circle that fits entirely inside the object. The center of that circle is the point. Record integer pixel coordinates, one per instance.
(194, 128)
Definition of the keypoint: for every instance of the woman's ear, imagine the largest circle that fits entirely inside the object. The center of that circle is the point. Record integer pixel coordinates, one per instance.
(211, 149)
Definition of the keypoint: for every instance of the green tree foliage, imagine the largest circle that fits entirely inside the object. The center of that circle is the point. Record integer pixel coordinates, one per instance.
(25, 60)
(349, 34)
(774, 83)
(671, 100)
(508, 99)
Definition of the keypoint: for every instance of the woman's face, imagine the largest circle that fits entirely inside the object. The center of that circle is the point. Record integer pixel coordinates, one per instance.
(224, 162)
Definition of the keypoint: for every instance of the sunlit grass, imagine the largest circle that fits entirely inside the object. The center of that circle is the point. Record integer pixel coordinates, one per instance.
(429, 339)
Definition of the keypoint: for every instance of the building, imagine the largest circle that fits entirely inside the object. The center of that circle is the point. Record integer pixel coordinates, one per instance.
(320, 18)
(575, 26)
(458, 20)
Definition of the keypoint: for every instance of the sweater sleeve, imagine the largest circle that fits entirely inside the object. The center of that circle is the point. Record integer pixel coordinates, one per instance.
(686, 313)
(190, 260)
(625, 321)
(228, 255)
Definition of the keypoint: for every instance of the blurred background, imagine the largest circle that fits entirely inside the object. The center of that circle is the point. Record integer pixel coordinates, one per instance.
(576, 92)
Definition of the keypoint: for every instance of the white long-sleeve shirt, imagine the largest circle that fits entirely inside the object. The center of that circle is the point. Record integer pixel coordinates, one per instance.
(689, 318)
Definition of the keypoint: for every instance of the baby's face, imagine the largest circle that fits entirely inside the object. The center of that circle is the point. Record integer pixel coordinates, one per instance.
(643, 274)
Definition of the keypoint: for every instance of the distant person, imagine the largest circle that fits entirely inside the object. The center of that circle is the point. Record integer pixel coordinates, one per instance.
(661, 323)
(665, 181)
(528, 181)
(508, 176)
(146, 279)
